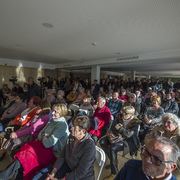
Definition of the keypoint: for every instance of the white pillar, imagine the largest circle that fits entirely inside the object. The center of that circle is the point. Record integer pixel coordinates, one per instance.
(95, 74)
(133, 74)
(148, 76)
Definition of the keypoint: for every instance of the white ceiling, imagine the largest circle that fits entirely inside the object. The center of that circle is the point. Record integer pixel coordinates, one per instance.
(147, 29)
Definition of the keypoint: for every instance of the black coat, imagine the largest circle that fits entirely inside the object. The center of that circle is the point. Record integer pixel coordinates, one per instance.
(33, 90)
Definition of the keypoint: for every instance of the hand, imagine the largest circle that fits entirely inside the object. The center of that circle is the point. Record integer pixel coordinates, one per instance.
(10, 123)
(42, 137)
(13, 135)
(50, 176)
(148, 121)
(95, 106)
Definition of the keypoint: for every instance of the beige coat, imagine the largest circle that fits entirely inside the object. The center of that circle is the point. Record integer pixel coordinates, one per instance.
(159, 131)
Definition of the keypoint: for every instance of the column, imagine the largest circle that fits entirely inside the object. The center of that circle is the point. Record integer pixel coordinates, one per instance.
(133, 74)
(95, 74)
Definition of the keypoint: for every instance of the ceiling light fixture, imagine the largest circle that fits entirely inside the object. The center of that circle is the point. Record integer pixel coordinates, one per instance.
(47, 25)
(128, 58)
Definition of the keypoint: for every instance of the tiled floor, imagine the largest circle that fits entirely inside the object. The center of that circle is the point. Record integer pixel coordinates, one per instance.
(104, 173)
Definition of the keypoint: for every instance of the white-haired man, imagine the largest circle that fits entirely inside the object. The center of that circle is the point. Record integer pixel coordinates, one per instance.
(100, 119)
(159, 160)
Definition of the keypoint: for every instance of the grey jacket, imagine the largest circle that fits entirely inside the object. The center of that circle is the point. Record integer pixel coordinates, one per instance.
(80, 159)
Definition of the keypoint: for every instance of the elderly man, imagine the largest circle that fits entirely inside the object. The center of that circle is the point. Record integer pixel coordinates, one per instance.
(159, 160)
(115, 105)
(132, 102)
(100, 119)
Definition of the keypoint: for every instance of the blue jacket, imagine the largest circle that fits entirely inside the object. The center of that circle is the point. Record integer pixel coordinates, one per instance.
(133, 170)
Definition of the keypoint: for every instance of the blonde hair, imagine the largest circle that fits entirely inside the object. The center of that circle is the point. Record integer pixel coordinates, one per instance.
(129, 109)
(157, 98)
(61, 109)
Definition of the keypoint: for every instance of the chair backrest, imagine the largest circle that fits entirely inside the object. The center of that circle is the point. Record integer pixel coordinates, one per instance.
(100, 159)
(74, 107)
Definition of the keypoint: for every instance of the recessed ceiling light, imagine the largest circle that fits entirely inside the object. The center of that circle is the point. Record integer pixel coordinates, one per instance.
(47, 25)
(94, 44)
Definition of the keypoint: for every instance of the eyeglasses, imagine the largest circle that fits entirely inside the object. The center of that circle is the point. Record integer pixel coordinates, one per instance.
(126, 113)
(155, 160)
(131, 97)
(168, 122)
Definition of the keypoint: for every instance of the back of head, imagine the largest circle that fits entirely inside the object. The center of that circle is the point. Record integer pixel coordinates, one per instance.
(45, 106)
(36, 100)
(82, 121)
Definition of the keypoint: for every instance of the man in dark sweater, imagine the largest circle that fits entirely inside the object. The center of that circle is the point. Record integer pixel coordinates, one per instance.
(159, 160)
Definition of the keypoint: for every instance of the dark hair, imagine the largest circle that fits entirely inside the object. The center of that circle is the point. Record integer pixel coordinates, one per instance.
(89, 91)
(13, 94)
(82, 121)
(45, 106)
(22, 96)
(36, 100)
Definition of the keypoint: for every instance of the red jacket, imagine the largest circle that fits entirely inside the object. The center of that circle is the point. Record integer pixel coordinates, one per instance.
(34, 156)
(104, 116)
(104, 113)
(29, 116)
(125, 97)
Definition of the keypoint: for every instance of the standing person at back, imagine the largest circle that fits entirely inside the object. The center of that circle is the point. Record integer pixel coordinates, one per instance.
(33, 89)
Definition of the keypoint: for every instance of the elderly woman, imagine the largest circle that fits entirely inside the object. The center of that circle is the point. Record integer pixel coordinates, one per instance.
(49, 95)
(80, 96)
(76, 164)
(28, 132)
(169, 105)
(126, 132)
(72, 96)
(36, 155)
(86, 106)
(153, 115)
(26, 115)
(169, 129)
(59, 99)
(13, 110)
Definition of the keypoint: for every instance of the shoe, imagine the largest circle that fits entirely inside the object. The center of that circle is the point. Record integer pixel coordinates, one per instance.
(111, 177)
(2, 154)
(108, 167)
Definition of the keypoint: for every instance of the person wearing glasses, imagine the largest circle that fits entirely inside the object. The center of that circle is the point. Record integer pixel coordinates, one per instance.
(132, 102)
(76, 162)
(128, 141)
(159, 160)
(169, 129)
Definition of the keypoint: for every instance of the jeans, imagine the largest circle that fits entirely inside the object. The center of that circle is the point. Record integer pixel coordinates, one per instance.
(111, 151)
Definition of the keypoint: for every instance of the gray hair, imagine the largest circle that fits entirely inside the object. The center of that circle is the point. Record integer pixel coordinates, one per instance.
(50, 91)
(61, 92)
(134, 95)
(175, 151)
(138, 92)
(81, 88)
(173, 117)
(102, 99)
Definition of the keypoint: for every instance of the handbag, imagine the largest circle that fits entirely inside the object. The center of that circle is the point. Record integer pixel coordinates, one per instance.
(14, 144)
(114, 138)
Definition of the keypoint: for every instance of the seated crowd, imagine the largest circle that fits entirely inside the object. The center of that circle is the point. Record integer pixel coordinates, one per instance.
(51, 133)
